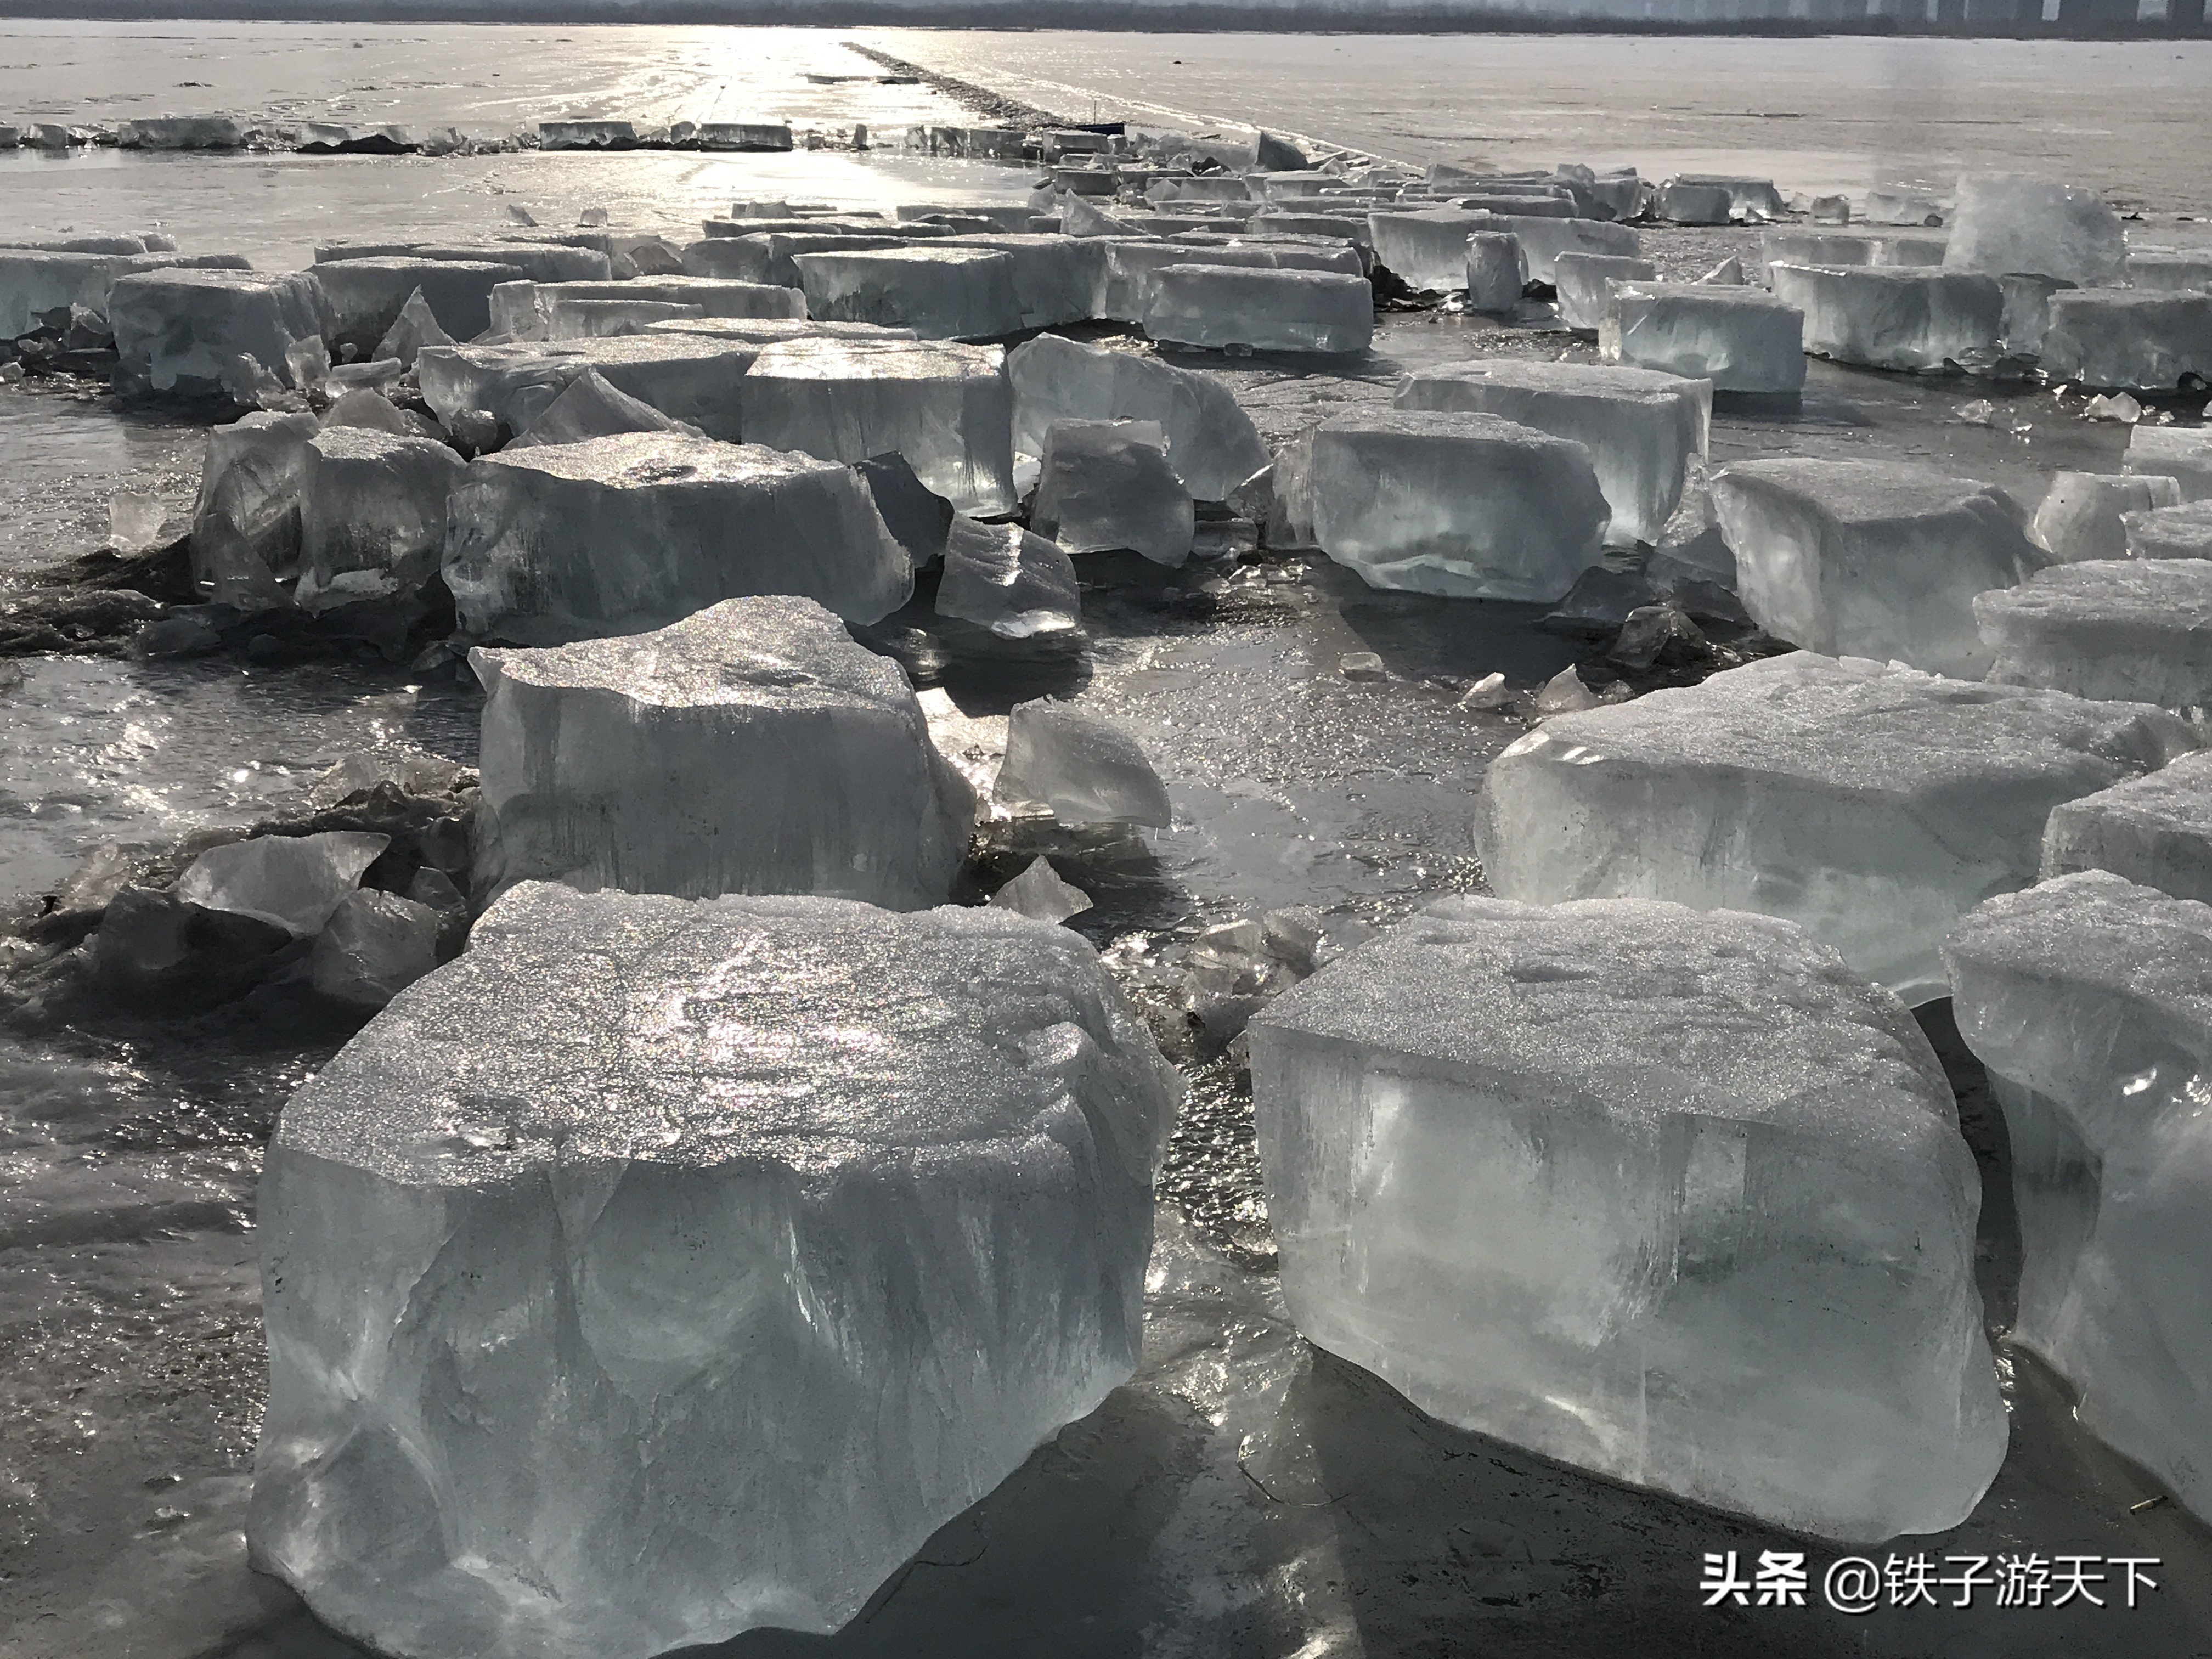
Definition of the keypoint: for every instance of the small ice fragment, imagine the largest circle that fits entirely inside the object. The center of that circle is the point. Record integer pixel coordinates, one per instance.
(522, 215)
(373, 947)
(2116, 406)
(1727, 274)
(1038, 891)
(291, 881)
(134, 521)
(1564, 693)
(416, 327)
(1361, 665)
(1491, 691)
(590, 218)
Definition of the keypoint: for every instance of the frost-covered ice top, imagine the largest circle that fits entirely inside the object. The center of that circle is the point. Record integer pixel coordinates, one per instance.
(772, 331)
(887, 359)
(777, 651)
(2169, 595)
(1870, 492)
(1865, 728)
(648, 460)
(819, 1035)
(1590, 380)
(1652, 1008)
(2171, 806)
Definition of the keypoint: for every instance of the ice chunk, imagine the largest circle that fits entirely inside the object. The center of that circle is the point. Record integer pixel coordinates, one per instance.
(1616, 193)
(1425, 250)
(1642, 427)
(1879, 559)
(948, 408)
(2085, 998)
(550, 310)
(1057, 279)
(1543, 240)
(142, 937)
(372, 411)
(1015, 584)
(373, 947)
(1496, 272)
(135, 520)
(619, 534)
(590, 407)
(1473, 505)
(2080, 518)
(1582, 282)
(840, 1211)
(179, 330)
(1132, 269)
(1684, 202)
(1675, 1197)
(1078, 768)
(2170, 533)
(416, 327)
(2006, 222)
(1872, 804)
(2027, 312)
(1210, 442)
(2143, 341)
(692, 377)
(35, 283)
(1902, 319)
(940, 293)
(918, 518)
(1107, 485)
(291, 881)
(2139, 629)
(2154, 830)
(1788, 244)
(365, 296)
(181, 132)
(371, 515)
(2182, 453)
(752, 748)
(1741, 339)
(245, 523)
(2162, 269)
(1038, 892)
(1225, 306)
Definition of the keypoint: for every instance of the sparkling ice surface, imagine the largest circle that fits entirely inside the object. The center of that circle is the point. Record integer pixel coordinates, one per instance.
(2156, 831)
(2134, 629)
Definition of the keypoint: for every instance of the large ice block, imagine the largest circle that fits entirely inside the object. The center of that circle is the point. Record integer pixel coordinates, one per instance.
(1425, 249)
(1473, 505)
(2138, 340)
(38, 283)
(2005, 222)
(691, 377)
(1582, 280)
(2086, 999)
(1082, 769)
(1879, 559)
(539, 261)
(371, 515)
(2139, 629)
(182, 330)
(1057, 279)
(619, 534)
(1224, 306)
(1641, 427)
(548, 310)
(1132, 269)
(1496, 272)
(2155, 830)
(1543, 240)
(1903, 318)
(2170, 533)
(2165, 268)
(365, 296)
(2182, 453)
(752, 748)
(1872, 804)
(1797, 246)
(246, 522)
(940, 293)
(2079, 517)
(947, 408)
(661, 1269)
(1676, 1197)
(1107, 485)
(1212, 442)
(1741, 339)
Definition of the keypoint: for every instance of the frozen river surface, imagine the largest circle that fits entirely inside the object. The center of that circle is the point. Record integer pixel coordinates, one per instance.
(1245, 1495)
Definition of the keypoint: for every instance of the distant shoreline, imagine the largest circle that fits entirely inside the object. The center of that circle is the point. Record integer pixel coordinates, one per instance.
(1097, 19)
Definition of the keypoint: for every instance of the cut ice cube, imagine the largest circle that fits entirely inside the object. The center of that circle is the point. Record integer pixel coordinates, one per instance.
(1675, 1197)
(2182, 453)
(178, 330)
(2154, 830)
(2124, 338)
(35, 283)
(1496, 272)
(1015, 584)
(291, 881)
(245, 523)
(1788, 244)
(762, 1237)
(2006, 222)
(940, 293)
(1222, 307)
(2190, 272)
(2085, 998)
(1741, 339)
(1879, 559)
(1543, 240)
(2170, 533)
(1132, 269)
(1211, 442)
(1057, 279)
(1904, 319)
(365, 296)
(373, 947)
(1473, 505)
(1582, 280)
(619, 534)
(2080, 518)
(2138, 629)
(752, 748)
(541, 310)
(371, 515)
(1425, 250)
(1873, 805)
(948, 408)
(1107, 485)
(692, 377)
(1641, 427)
(1080, 768)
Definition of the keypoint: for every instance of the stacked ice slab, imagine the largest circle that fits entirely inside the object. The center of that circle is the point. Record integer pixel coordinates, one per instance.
(1641, 427)
(2155, 830)
(948, 408)
(36, 283)
(1676, 1197)
(1211, 442)
(752, 748)
(1741, 339)
(662, 1269)
(2089, 999)
(2133, 629)
(1799, 246)
(1872, 558)
(1543, 239)
(2169, 532)
(694, 378)
(185, 331)
(1468, 505)
(1895, 317)
(1425, 249)
(618, 534)
(1872, 804)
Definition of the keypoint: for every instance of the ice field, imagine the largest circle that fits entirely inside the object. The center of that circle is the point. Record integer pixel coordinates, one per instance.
(1346, 695)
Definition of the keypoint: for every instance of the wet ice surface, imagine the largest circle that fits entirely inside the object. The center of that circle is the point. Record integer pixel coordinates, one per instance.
(1245, 1495)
